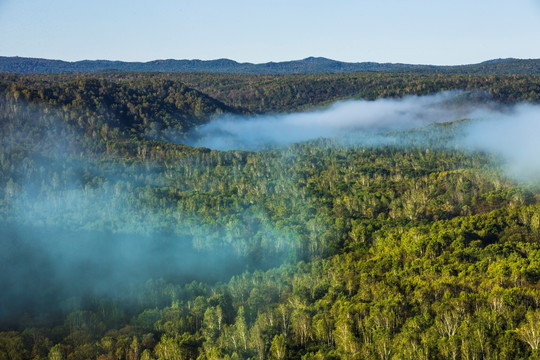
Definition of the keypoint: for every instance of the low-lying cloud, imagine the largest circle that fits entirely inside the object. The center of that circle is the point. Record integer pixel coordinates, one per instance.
(511, 133)
(342, 118)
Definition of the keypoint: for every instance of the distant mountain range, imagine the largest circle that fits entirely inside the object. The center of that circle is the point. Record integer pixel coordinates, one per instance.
(308, 65)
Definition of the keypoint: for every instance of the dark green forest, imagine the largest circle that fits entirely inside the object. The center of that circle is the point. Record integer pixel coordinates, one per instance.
(226, 66)
(119, 243)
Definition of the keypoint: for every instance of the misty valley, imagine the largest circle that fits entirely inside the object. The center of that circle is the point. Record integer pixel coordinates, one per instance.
(299, 216)
(62, 266)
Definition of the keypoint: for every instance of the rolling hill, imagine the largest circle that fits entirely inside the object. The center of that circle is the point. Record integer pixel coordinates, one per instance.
(308, 65)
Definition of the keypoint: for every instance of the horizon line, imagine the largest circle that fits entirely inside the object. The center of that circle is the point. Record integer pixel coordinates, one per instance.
(267, 62)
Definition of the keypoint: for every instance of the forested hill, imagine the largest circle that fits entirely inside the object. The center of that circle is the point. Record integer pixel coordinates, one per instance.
(149, 107)
(191, 98)
(308, 65)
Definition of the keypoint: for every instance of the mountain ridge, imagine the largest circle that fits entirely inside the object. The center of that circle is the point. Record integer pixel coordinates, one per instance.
(311, 64)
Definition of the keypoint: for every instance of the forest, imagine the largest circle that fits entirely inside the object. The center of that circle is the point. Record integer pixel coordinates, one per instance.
(317, 65)
(119, 241)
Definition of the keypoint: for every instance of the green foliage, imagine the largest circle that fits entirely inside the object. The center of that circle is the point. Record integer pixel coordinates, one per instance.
(354, 252)
(285, 93)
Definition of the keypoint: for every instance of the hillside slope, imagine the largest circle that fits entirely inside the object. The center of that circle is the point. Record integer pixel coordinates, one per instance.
(146, 108)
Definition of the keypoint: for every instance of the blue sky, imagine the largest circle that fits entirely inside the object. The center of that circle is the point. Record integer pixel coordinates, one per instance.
(408, 31)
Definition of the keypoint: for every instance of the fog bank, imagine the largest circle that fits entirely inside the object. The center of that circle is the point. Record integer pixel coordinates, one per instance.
(230, 132)
(513, 136)
(510, 133)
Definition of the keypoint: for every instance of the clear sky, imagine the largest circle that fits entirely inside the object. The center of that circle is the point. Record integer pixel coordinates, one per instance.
(408, 31)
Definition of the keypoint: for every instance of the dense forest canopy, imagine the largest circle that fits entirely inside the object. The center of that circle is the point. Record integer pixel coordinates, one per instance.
(286, 93)
(118, 241)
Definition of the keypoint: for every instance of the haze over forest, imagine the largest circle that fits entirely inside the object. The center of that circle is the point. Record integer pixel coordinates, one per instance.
(235, 211)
